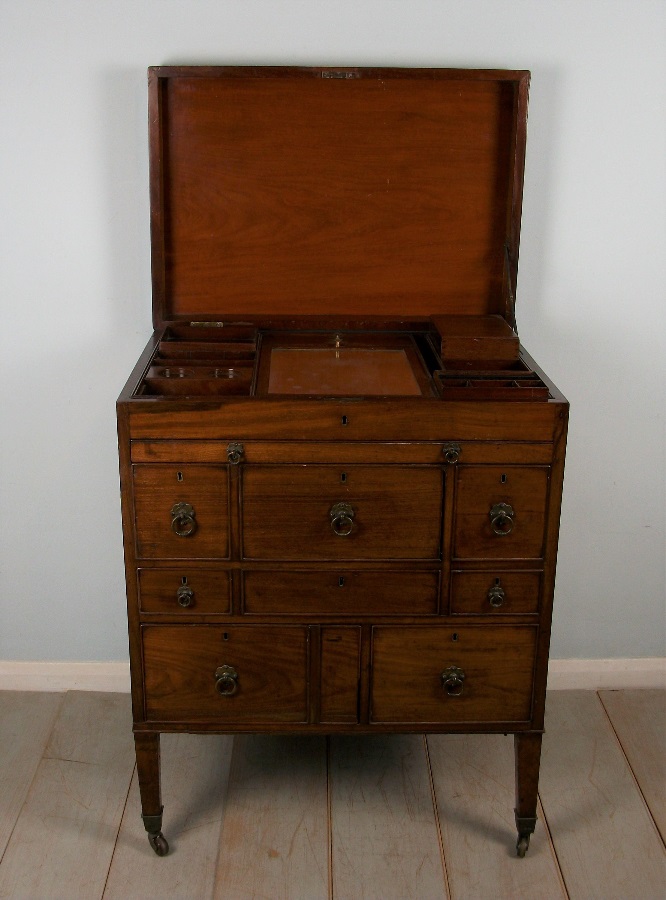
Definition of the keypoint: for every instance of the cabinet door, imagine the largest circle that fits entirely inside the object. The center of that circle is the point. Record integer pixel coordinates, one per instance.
(182, 512)
(500, 512)
(342, 512)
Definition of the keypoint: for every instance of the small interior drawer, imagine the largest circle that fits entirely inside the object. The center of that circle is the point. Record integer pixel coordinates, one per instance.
(495, 593)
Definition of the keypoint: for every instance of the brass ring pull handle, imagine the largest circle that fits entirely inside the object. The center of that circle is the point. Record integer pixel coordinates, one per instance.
(342, 519)
(235, 453)
(502, 518)
(453, 681)
(496, 596)
(226, 681)
(183, 522)
(451, 453)
(185, 595)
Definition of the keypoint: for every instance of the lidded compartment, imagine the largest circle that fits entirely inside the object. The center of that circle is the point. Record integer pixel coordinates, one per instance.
(354, 200)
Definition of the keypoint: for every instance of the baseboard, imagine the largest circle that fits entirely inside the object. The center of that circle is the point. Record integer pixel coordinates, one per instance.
(606, 674)
(563, 674)
(64, 676)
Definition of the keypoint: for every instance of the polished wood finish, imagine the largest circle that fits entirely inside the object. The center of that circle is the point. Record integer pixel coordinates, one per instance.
(157, 489)
(478, 490)
(287, 512)
(181, 661)
(316, 440)
(516, 593)
(289, 189)
(340, 592)
(185, 591)
(476, 338)
(339, 676)
(407, 666)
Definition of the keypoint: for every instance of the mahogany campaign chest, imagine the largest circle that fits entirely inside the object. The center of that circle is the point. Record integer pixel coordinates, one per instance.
(341, 473)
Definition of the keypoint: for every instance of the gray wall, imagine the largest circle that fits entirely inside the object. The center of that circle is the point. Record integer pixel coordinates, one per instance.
(75, 275)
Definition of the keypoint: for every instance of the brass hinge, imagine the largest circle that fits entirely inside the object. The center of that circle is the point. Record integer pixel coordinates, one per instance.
(509, 286)
(339, 74)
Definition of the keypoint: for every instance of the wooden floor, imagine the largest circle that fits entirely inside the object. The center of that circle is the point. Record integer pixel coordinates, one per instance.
(368, 817)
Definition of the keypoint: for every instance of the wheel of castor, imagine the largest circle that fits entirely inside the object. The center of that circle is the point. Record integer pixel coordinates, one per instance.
(522, 845)
(159, 843)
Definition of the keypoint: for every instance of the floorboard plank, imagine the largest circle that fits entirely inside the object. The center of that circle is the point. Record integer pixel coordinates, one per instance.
(473, 777)
(385, 844)
(195, 770)
(26, 720)
(65, 834)
(606, 842)
(639, 720)
(274, 842)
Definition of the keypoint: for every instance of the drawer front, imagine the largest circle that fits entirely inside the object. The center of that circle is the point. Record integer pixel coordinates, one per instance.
(495, 593)
(265, 680)
(414, 675)
(341, 593)
(186, 592)
(198, 528)
(500, 512)
(345, 513)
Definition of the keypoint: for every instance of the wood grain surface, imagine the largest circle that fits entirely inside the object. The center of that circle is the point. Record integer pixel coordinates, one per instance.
(397, 512)
(195, 771)
(65, 836)
(639, 720)
(26, 720)
(275, 837)
(607, 844)
(384, 838)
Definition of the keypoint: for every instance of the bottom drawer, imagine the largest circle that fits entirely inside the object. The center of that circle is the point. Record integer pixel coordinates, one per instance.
(476, 673)
(230, 673)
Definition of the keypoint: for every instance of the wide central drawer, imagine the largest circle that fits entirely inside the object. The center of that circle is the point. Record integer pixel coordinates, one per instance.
(340, 592)
(342, 512)
(231, 673)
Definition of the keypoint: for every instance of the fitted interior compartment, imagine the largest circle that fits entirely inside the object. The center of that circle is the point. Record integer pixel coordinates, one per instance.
(182, 379)
(342, 364)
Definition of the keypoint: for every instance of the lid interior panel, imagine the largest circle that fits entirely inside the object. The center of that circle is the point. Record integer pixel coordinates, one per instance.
(382, 193)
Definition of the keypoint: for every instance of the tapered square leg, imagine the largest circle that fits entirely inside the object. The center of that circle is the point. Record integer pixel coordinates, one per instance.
(527, 748)
(147, 746)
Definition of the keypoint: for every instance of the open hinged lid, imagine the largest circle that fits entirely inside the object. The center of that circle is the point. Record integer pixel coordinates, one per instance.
(351, 192)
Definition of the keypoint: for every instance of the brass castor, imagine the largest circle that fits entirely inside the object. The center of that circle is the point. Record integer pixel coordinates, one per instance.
(159, 843)
(522, 845)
